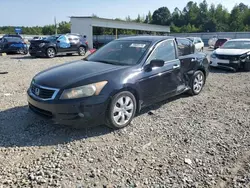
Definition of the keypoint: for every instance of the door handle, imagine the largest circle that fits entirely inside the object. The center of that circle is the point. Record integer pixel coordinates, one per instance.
(176, 66)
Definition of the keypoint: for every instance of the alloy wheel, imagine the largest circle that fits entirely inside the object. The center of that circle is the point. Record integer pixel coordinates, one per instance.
(198, 83)
(51, 52)
(123, 110)
(82, 51)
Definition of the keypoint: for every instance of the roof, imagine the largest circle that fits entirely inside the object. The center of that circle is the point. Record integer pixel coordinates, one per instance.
(119, 24)
(247, 39)
(147, 38)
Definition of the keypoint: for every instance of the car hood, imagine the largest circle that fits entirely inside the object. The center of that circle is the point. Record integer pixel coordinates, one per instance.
(64, 75)
(231, 51)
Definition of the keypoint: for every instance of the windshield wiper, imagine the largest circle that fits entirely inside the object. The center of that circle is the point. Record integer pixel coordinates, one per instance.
(107, 62)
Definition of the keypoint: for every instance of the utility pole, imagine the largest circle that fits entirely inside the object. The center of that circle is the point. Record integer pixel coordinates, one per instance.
(55, 25)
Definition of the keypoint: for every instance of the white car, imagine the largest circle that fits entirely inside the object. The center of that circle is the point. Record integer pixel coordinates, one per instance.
(234, 54)
(198, 43)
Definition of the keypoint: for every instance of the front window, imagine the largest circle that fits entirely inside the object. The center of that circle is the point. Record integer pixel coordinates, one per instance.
(164, 51)
(236, 45)
(121, 52)
(52, 38)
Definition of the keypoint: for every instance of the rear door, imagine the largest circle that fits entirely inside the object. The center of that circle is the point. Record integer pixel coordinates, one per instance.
(74, 42)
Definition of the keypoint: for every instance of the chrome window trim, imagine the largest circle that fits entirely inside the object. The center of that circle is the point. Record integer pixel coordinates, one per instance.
(56, 91)
(156, 46)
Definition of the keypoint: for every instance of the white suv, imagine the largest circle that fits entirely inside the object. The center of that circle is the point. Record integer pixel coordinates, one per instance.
(198, 43)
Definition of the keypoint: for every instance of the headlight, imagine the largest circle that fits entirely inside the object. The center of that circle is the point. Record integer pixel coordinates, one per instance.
(83, 91)
(213, 55)
(41, 45)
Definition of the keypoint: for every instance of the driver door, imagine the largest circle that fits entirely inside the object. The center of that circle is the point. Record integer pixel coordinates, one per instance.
(161, 82)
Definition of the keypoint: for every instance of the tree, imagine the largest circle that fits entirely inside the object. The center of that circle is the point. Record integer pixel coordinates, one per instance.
(148, 18)
(64, 27)
(48, 30)
(236, 19)
(161, 16)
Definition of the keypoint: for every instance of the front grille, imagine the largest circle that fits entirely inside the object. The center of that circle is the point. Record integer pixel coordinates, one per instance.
(228, 57)
(40, 111)
(42, 92)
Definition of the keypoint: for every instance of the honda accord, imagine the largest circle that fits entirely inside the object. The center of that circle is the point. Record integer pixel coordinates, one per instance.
(111, 85)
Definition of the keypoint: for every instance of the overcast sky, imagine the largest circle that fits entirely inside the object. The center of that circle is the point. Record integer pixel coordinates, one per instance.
(42, 12)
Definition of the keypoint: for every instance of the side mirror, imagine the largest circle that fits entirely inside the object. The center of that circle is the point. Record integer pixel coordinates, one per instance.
(156, 63)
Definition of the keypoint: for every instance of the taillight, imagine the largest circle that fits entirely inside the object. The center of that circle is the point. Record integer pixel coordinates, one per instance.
(86, 42)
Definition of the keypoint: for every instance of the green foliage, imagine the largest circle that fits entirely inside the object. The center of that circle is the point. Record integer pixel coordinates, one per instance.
(193, 18)
(161, 16)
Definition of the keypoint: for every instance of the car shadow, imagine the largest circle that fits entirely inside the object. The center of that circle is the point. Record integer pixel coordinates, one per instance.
(223, 70)
(22, 128)
(23, 57)
(19, 127)
(150, 109)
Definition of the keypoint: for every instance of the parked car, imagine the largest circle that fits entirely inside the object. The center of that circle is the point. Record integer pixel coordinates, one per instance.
(118, 80)
(12, 35)
(234, 54)
(13, 45)
(212, 41)
(220, 42)
(58, 44)
(199, 44)
(39, 38)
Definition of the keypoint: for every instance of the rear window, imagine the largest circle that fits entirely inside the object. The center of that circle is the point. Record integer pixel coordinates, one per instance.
(13, 39)
(221, 41)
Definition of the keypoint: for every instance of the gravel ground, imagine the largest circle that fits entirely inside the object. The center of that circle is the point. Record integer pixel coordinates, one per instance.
(201, 141)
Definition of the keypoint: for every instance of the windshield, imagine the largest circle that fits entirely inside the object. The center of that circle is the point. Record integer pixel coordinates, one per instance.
(51, 38)
(13, 39)
(236, 45)
(121, 52)
(192, 39)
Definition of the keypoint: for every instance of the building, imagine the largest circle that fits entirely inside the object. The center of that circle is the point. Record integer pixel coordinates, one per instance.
(84, 26)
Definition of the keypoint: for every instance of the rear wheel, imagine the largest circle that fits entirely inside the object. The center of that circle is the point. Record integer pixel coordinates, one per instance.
(81, 51)
(122, 110)
(197, 83)
(51, 52)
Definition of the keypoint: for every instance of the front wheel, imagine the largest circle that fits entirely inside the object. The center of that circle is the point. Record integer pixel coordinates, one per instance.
(197, 83)
(51, 52)
(81, 51)
(122, 110)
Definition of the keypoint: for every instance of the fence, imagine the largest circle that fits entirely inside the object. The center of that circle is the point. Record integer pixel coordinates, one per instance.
(103, 39)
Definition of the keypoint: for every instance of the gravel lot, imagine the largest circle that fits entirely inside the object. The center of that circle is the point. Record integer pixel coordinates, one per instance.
(201, 141)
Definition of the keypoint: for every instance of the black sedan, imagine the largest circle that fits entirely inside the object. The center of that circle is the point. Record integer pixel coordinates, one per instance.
(117, 81)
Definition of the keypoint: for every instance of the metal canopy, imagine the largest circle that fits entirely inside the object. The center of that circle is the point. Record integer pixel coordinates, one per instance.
(84, 26)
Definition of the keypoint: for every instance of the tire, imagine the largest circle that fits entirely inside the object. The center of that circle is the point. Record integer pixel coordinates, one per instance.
(197, 83)
(81, 51)
(121, 111)
(50, 52)
(247, 66)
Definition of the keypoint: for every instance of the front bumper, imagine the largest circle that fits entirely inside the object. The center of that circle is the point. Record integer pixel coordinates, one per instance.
(227, 64)
(77, 113)
(37, 52)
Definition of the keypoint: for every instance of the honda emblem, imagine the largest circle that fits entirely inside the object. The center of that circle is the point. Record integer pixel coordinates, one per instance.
(37, 91)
